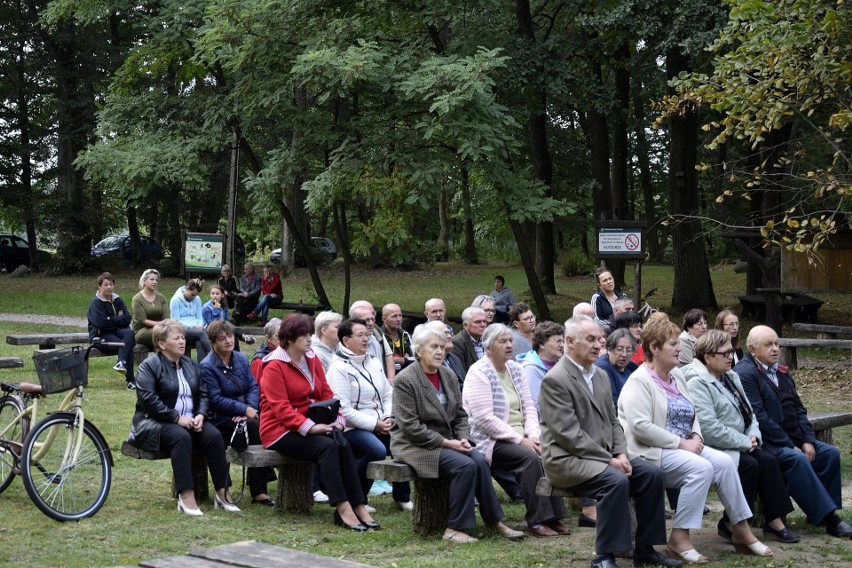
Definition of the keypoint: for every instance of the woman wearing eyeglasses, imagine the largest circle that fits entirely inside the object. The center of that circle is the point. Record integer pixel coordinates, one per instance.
(616, 361)
(523, 322)
(728, 424)
(727, 321)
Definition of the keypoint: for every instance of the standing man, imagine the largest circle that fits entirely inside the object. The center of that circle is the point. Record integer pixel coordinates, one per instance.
(810, 467)
(468, 344)
(397, 338)
(377, 347)
(583, 448)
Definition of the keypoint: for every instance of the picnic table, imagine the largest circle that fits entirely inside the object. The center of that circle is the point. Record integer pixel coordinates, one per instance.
(795, 307)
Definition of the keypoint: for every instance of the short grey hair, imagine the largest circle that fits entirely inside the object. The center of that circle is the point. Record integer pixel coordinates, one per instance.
(612, 339)
(271, 328)
(468, 313)
(430, 301)
(492, 332)
(582, 307)
(621, 302)
(325, 319)
(575, 324)
(425, 332)
(481, 300)
(359, 305)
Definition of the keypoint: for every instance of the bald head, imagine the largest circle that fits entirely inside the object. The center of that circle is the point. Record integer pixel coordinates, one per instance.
(434, 310)
(392, 316)
(762, 343)
(584, 309)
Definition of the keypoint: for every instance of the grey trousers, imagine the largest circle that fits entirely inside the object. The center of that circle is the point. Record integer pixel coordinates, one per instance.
(525, 463)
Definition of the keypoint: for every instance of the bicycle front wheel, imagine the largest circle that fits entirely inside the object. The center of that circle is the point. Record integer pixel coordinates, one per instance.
(10, 440)
(66, 471)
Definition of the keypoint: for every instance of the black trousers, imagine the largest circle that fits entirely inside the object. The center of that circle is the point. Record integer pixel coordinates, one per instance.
(257, 476)
(525, 463)
(613, 490)
(760, 476)
(337, 467)
(466, 472)
(179, 443)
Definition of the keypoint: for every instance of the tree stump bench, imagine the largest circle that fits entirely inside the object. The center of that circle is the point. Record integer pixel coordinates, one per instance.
(431, 496)
(11, 362)
(789, 344)
(199, 468)
(824, 422)
(295, 478)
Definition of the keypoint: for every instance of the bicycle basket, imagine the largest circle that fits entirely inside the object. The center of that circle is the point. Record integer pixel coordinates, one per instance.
(62, 369)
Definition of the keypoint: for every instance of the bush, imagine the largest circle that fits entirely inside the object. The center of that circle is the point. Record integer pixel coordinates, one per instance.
(575, 264)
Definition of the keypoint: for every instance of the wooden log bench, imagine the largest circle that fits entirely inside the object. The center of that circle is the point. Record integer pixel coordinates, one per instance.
(790, 344)
(48, 340)
(431, 496)
(824, 422)
(199, 468)
(11, 362)
(824, 331)
(295, 478)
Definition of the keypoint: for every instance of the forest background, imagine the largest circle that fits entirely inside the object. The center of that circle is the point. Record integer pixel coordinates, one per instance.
(412, 132)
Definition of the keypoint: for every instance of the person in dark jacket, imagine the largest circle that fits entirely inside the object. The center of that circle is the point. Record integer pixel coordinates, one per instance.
(171, 410)
(109, 320)
(234, 398)
(810, 467)
(267, 346)
(229, 286)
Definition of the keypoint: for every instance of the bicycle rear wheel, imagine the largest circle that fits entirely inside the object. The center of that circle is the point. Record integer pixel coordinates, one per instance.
(62, 487)
(10, 407)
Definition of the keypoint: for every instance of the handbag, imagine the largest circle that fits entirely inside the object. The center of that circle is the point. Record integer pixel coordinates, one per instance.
(240, 438)
(324, 411)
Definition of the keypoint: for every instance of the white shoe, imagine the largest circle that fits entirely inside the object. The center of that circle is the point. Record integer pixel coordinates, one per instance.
(407, 506)
(120, 368)
(320, 497)
(369, 509)
(184, 509)
(219, 504)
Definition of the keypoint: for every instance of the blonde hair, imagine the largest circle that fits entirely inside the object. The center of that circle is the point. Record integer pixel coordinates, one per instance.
(162, 330)
(146, 274)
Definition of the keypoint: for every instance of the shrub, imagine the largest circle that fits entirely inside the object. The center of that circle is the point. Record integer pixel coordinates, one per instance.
(574, 263)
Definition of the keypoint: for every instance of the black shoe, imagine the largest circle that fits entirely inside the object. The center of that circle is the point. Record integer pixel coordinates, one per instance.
(838, 527)
(668, 515)
(248, 340)
(604, 561)
(370, 524)
(650, 557)
(706, 510)
(269, 502)
(585, 521)
(723, 531)
(784, 535)
(339, 522)
(131, 386)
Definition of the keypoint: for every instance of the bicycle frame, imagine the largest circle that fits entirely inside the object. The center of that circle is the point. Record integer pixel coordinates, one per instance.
(30, 416)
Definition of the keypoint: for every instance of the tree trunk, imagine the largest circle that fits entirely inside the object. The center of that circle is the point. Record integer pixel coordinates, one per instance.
(693, 287)
(343, 238)
(620, 150)
(643, 150)
(529, 267)
(469, 239)
(444, 219)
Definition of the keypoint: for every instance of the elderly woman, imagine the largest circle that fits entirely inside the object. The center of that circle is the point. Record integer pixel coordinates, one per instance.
(149, 307)
(632, 322)
(234, 398)
(485, 302)
(694, 326)
(229, 287)
(523, 321)
(109, 320)
(727, 321)
(504, 426)
(616, 361)
(171, 410)
(660, 424)
(292, 379)
(325, 341)
(728, 424)
(430, 433)
(366, 398)
(548, 341)
(267, 346)
(603, 300)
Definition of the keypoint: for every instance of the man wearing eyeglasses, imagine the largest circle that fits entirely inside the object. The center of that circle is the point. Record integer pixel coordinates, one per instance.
(810, 467)
(378, 346)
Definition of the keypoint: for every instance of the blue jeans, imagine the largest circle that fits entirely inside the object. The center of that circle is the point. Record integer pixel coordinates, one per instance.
(815, 485)
(127, 338)
(370, 447)
(262, 307)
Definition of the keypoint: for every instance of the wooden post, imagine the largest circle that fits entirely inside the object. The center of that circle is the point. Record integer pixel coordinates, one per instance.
(431, 506)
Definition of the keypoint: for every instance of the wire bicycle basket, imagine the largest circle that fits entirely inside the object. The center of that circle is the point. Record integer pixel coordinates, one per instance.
(62, 369)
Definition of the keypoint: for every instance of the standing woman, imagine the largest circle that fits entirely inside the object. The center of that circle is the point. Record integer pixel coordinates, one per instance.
(149, 308)
(109, 320)
(234, 397)
(171, 410)
(366, 403)
(603, 300)
(505, 429)
(694, 326)
(727, 321)
(292, 379)
(523, 322)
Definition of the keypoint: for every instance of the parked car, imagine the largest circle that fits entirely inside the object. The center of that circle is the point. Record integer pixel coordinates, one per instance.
(323, 251)
(15, 251)
(119, 246)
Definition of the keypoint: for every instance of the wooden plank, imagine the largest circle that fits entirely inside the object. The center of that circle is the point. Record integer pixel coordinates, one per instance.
(251, 554)
(11, 362)
(258, 456)
(813, 342)
(826, 420)
(390, 471)
(823, 328)
(47, 340)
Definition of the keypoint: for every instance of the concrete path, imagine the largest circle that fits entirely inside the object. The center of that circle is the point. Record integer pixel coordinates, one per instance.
(35, 318)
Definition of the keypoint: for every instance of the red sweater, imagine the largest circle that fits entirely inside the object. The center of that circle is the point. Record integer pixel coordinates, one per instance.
(285, 395)
(271, 285)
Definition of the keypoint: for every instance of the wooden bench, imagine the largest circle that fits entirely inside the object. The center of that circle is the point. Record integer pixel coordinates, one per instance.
(11, 362)
(794, 307)
(824, 331)
(295, 478)
(199, 468)
(824, 422)
(48, 340)
(790, 344)
(431, 496)
(307, 309)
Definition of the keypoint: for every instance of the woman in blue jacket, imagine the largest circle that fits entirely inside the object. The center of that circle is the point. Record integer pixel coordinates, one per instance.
(234, 397)
(109, 320)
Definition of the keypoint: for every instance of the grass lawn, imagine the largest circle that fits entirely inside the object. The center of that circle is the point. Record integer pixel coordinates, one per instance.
(139, 520)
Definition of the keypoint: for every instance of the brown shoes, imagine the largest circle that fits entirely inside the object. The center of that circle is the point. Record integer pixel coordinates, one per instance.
(559, 528)
(541, 531)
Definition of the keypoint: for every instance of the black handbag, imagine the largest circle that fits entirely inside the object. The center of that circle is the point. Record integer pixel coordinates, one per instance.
(324, 411)
(240, 438)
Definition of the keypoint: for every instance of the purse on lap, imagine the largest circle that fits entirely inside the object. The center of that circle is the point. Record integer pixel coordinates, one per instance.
(324, 411)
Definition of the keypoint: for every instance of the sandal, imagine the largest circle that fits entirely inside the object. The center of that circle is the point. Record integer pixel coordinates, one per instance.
(458, 537)
(756, 548)
(690, 556)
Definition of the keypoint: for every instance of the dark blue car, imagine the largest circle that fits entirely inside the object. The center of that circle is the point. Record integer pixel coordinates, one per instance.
(119, 246)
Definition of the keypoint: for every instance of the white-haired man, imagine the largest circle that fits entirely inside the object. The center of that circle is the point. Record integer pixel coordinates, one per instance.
(378, 346)
(468, 344)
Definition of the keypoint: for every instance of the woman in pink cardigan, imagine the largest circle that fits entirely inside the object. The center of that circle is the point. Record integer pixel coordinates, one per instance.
(504, 426)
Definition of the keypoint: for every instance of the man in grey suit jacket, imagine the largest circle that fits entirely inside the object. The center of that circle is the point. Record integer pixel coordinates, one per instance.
(466, 345)
(583, 448)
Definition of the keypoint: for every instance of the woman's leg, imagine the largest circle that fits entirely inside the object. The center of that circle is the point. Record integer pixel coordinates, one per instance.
(526, 465)
(368, 448)
(257, 476)
(401, 490)
(728, 485)
(176, 442)
(489, 506)
(771, 489)
(127, 338)
(198, 338)
(461, 472)
(209, 440)
(693, 475)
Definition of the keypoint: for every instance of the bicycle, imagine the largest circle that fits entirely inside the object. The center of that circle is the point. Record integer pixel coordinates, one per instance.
(647, 309)
(64, 461)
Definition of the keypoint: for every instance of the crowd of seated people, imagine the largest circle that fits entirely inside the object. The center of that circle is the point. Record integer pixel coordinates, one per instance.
(489, 403)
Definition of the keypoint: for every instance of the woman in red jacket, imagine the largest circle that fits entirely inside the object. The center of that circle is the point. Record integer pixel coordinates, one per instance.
(270, 296)
(292, 379)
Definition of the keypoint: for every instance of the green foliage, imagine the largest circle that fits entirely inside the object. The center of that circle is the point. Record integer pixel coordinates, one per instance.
(575, 263)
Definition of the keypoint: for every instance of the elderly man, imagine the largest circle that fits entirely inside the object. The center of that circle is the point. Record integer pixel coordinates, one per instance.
(434, 310)
(467, 344)
(377, 347)
(810, 467)
(397, 338)
(583, 448)
(584, 309)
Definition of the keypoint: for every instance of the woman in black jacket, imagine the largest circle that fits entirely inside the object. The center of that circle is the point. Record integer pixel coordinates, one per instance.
(171, 408)
(109, 320)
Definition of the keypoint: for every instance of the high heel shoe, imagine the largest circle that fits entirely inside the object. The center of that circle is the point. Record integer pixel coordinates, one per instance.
(338, 520)
(370, 524)
(186, 510)
(219, 504)
(756, 548)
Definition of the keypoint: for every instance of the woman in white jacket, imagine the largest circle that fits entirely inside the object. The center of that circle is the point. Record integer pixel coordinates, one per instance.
(366, 399)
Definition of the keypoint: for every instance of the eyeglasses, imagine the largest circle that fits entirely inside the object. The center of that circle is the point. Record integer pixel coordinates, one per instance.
(490, 311)
(728, 353)
(624, 350)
